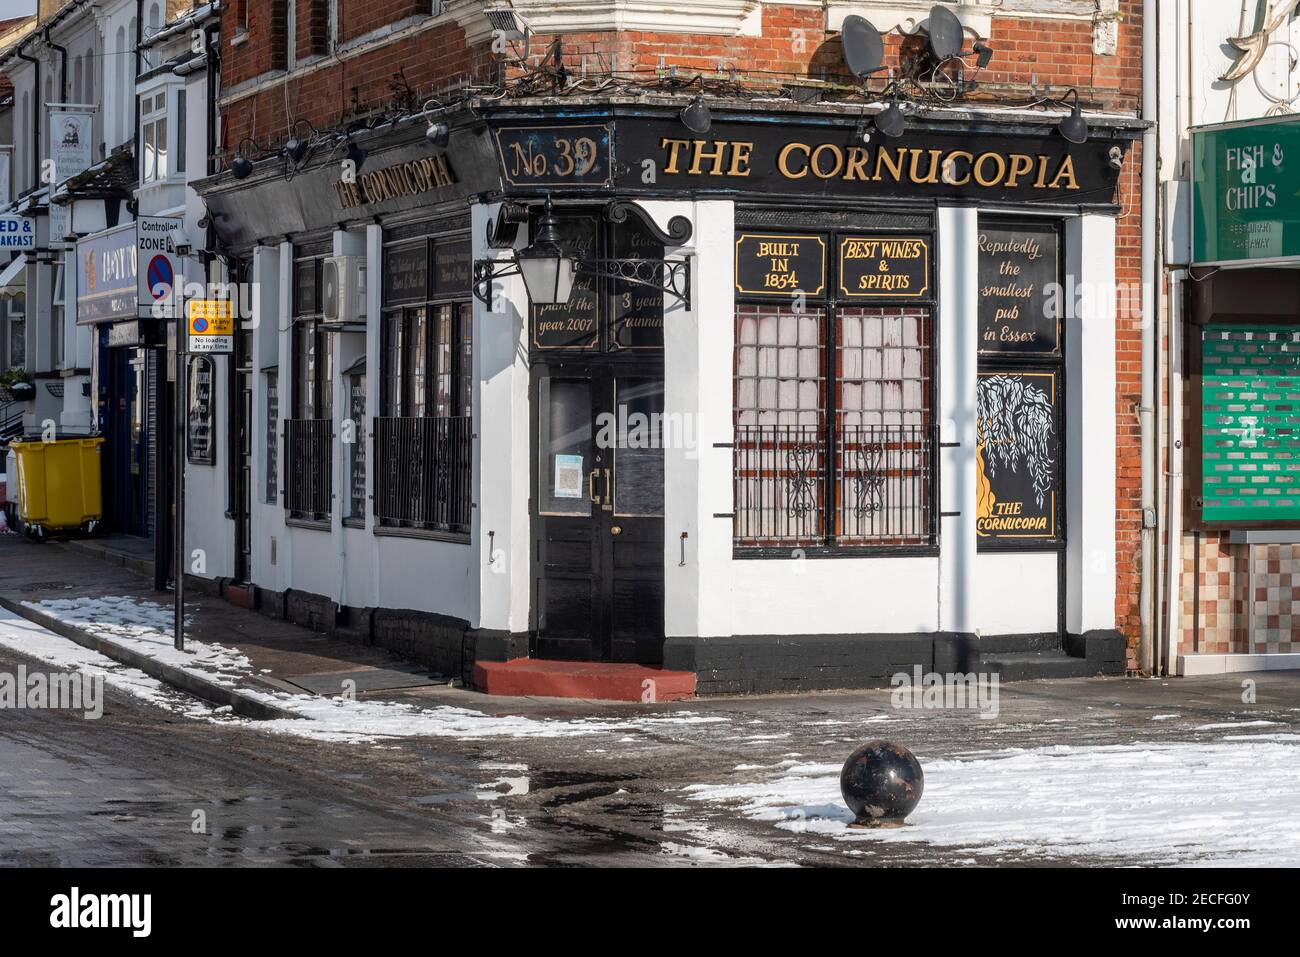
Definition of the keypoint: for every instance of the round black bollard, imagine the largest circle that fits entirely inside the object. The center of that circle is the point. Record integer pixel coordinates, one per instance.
(882, 784)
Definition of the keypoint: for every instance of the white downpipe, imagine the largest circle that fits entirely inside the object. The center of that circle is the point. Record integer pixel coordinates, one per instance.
(1174, 557)
(1150, 60)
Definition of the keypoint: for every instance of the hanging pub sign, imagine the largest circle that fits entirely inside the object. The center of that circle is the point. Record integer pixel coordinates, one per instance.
(1018, 458)
(556, 155)
(636, 311)
(884, 267)
(1019, 279)
(200, 428)
(576, 323)
(782, 265)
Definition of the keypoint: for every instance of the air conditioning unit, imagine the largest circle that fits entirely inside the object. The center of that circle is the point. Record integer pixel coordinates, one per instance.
(343, 292)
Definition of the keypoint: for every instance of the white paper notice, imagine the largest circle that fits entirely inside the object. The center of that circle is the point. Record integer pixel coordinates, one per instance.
(568, 476)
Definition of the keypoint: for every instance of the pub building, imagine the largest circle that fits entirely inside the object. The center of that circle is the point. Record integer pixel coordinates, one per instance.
(774, 401)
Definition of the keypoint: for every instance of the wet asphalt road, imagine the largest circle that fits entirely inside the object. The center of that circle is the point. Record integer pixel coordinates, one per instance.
(125, 789)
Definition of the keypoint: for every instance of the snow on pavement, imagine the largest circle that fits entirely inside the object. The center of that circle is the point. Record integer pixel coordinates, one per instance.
(1185, 803)
(145, 626)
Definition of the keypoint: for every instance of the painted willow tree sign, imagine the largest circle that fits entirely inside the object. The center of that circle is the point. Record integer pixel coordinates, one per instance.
(1018, 457)
(1019, 276)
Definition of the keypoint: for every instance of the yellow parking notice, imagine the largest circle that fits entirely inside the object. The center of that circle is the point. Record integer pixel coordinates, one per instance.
(212, 325)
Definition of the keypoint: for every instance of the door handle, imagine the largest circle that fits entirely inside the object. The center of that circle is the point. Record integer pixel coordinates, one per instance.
(609, 491)
(591, 486)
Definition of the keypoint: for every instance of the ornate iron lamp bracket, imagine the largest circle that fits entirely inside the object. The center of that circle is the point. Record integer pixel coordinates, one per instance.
(670, 276)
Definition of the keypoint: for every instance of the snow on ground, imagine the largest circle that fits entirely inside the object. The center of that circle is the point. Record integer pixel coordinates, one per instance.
(145, 626)
(1229, 803)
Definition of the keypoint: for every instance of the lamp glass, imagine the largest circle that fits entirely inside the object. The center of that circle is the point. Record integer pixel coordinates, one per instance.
(548, 274)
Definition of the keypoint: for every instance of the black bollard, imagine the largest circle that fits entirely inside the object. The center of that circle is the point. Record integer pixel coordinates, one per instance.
(882, 784)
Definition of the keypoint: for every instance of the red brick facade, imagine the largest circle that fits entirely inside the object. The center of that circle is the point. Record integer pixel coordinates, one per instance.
(423, 57)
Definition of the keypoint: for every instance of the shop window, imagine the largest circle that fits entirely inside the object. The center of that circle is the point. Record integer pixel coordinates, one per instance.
(153, 136)
(57, 313)
(309, 434)
(834, 401)
(423, 438)
(356, 381)
(272, 426)
(17, 333)
(832, 444)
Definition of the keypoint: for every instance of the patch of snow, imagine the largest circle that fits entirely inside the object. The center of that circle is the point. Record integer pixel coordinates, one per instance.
(1233, 725)
(145, 627)
(1161, 803)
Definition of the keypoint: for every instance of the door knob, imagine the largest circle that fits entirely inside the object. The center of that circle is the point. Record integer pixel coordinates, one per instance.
(616, 530)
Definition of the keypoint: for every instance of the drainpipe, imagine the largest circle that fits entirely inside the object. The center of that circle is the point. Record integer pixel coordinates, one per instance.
(1147, 414)
(139, 62)
(63, 71)
(36, 118)
(1173, 559)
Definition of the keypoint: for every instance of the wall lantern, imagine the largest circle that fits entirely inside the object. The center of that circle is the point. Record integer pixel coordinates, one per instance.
(1074, 128)
(548, 267)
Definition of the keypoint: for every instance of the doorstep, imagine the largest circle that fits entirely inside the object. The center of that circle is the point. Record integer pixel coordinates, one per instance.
(589, 680)
(1192, 665)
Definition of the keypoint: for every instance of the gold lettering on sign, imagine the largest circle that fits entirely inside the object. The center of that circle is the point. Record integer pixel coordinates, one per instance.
(830, 161)
(403, 179)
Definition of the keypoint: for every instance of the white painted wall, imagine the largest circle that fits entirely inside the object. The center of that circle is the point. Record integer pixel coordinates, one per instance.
(1090, 428)
(958, 242)
(1015, 593)
(501, 469)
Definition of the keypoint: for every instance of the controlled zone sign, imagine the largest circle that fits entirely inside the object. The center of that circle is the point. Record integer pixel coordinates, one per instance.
(211, 325)
(158, 268)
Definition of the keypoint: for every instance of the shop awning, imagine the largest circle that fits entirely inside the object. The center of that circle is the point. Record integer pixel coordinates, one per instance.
(13, 279)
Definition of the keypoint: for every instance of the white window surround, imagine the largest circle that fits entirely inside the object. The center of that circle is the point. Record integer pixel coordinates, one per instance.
(174, 132)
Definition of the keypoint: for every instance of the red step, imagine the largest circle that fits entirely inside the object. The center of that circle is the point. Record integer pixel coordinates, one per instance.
(593, 680)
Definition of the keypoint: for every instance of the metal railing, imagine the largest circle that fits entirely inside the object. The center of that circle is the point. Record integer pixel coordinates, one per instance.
(309, 468)
(422, 472)
(849, 485)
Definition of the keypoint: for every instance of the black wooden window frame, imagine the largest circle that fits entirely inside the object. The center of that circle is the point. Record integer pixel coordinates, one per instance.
(444, 320)
(311, 395)
(830, 490)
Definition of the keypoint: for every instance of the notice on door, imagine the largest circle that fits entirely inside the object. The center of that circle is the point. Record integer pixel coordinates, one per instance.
(1019, 277)
(568, 476)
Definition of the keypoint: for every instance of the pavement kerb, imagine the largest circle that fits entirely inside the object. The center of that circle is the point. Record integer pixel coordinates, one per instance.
(178, 678)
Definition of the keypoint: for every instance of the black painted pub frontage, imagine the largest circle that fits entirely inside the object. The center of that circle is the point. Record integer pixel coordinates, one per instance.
(787, 403)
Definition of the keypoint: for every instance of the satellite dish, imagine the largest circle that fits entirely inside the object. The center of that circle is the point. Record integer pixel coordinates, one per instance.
(864, 50)
(945, 33)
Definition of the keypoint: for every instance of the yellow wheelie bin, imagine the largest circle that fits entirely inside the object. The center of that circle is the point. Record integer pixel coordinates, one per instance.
(59, 485)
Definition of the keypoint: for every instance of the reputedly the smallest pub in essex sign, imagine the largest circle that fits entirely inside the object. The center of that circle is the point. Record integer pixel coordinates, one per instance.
(1246, 192)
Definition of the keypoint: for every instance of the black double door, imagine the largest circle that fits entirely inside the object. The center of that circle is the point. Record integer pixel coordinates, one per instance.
(597, 511)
